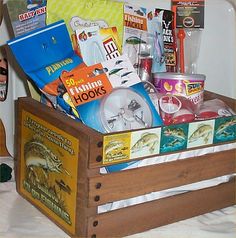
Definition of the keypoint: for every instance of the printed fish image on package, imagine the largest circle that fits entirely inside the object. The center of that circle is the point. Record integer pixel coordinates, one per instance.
(143, 38)
(225, 129)
(43, 54)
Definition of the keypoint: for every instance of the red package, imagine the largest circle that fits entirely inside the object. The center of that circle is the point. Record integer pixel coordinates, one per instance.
(176, 109)
(214, 108)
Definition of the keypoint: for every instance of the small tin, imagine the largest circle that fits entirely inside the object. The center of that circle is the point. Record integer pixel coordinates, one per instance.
(190, 86)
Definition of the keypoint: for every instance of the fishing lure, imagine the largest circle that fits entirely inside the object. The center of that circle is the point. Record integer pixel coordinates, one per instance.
(133, 40)
(114, 71)
(118, 62)
(126, 74)
(158, 48)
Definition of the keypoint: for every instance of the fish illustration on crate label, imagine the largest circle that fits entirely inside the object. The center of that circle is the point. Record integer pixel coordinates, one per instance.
(149, 140)
(116, 148)
(201, 133)
(225, 129)
(174, 138)
(48, 169)
(145, 143)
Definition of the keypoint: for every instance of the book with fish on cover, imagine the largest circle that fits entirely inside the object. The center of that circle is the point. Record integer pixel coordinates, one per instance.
(26, 15)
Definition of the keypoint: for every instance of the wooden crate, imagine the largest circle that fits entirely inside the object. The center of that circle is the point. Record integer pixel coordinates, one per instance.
(70, 194)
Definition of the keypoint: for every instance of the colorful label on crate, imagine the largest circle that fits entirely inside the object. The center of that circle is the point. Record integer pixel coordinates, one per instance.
(116, 148)
(225, 129)
(126, 147)
(201, 133)
(48, 169)
(174, 138)
(145, 143)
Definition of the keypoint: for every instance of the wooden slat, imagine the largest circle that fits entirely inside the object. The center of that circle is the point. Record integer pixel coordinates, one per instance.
(134, 182)
(149, 215)
(96, 146)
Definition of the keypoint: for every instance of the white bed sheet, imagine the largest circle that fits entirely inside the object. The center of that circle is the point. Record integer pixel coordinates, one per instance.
(19, 219)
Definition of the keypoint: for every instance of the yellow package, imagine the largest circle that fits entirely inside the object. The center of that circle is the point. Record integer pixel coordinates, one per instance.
(84, 13)
(111, 34)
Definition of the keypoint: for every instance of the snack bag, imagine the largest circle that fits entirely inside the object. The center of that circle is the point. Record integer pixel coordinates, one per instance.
(43, 54)
(84, 13)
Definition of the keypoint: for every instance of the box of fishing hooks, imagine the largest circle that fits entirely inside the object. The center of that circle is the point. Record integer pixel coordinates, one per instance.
(124, 138)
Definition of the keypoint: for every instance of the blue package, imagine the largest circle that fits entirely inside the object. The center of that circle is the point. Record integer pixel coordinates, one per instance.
(43, 54)
(119, 167)
(123, 109)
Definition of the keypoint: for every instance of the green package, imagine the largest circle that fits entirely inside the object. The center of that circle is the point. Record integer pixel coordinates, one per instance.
(83, 13)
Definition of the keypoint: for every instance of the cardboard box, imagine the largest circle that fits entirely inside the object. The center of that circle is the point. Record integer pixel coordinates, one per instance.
(58, 171)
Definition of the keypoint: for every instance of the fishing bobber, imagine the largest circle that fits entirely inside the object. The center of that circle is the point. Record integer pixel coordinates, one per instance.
(183, 116)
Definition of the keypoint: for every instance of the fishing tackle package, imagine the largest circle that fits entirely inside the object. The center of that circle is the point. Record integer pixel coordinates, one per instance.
(98, 44)
(189, 24)
(169, 38)
(110, 97)
(26, 15)
(44, 54)
(143, 41)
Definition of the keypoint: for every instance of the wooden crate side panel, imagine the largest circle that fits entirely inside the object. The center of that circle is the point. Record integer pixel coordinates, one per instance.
(73, 128)
(131, 183)
(25, 105)
(146, 216)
